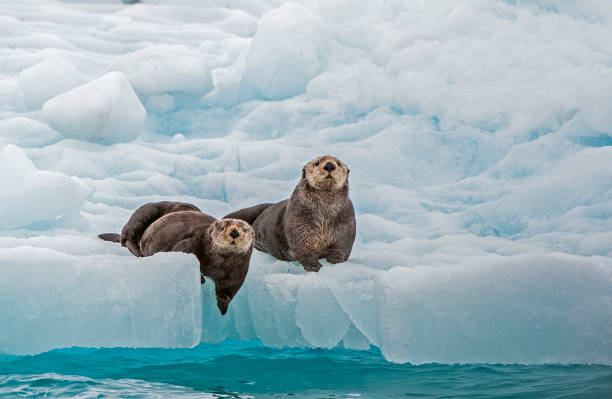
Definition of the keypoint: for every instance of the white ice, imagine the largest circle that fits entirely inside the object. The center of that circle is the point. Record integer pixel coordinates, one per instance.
(29, 195)
(286, 52)
(165, 69)
(105, 110)
(47, 79)
(478, 135)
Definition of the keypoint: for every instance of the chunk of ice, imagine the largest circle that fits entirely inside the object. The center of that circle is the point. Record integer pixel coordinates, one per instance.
(523, 309)
(55, 300)
(105, 110)
(166, 69)
(477, 133)
(26, 132)
(23, 188)
(47, 79)
(286, 53)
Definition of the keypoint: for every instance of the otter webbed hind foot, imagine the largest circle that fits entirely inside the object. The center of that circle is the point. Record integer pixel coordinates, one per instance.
(134, 248)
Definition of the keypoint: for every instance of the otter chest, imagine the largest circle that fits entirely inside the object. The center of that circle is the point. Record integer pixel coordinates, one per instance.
(320, 234)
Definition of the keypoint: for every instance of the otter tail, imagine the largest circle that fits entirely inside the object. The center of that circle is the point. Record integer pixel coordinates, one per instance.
(114, 237)
(248, 214)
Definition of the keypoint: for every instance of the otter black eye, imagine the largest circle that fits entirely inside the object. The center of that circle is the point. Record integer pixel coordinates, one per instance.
(222, 228)
(317, 163)
(339, 164)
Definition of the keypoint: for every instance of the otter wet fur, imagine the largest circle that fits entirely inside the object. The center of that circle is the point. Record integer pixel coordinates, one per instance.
(316, 222)
(223, 247)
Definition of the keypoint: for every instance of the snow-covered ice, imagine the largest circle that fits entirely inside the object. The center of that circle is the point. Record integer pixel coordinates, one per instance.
(105, 110)
(478, 135)
(47, 79)
(286, 53)
(29, 195)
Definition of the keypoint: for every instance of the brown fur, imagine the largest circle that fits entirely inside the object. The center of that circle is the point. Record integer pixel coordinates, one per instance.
(143, 217)
(317, 221)
(223, 257)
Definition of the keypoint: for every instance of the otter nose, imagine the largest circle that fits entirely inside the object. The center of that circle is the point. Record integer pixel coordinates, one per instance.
(329, 167)
(234, 233)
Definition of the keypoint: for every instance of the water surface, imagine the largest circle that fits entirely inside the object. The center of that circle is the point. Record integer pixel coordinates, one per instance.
(250, 370)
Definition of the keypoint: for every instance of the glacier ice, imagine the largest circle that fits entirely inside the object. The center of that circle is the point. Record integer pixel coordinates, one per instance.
(485, 309)
(165, 69)
(593, 110)
(105, 110)
(160, 71)
(23, 188)
(47, 79)
(53, 300)
(477, 134)
(26, 132)
(286, 52)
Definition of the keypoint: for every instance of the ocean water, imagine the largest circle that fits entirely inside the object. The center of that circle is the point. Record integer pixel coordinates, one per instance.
(239, 369)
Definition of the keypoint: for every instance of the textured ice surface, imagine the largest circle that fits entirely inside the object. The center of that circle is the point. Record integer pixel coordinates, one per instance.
(478, 135)
(105, 110)
(286, 52)
(521, 308)
(47, 79)
(52, 300)
(26, 132)
(29, 195)
(163, 69)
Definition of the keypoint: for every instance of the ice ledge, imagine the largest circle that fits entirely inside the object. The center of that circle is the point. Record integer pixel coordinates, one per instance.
(54, 300)
(533, 308)
(491, 309)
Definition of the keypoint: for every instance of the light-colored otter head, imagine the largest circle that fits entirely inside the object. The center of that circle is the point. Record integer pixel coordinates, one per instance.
(231, 236)
(326, 173)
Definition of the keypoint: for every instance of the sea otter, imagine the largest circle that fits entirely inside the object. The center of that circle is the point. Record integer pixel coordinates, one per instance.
(317, 221)
(223, 247)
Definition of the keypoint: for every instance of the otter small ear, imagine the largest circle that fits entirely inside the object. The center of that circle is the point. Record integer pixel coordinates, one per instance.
(303, 173)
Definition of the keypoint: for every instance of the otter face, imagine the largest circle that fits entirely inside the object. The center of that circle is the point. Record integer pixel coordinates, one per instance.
(231, 236)
(326, 172)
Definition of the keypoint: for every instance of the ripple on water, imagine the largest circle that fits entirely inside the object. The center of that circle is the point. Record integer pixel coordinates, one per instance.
(236, 369)
(69, 386)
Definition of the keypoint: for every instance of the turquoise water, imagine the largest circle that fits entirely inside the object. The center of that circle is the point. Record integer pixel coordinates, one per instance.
(235, 369)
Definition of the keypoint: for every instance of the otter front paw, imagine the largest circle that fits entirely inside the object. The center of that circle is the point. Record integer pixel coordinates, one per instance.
(335, 258)
(311, 266)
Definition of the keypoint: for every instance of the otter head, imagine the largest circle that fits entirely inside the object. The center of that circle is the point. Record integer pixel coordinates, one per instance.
(231, 236)
(326, 173)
